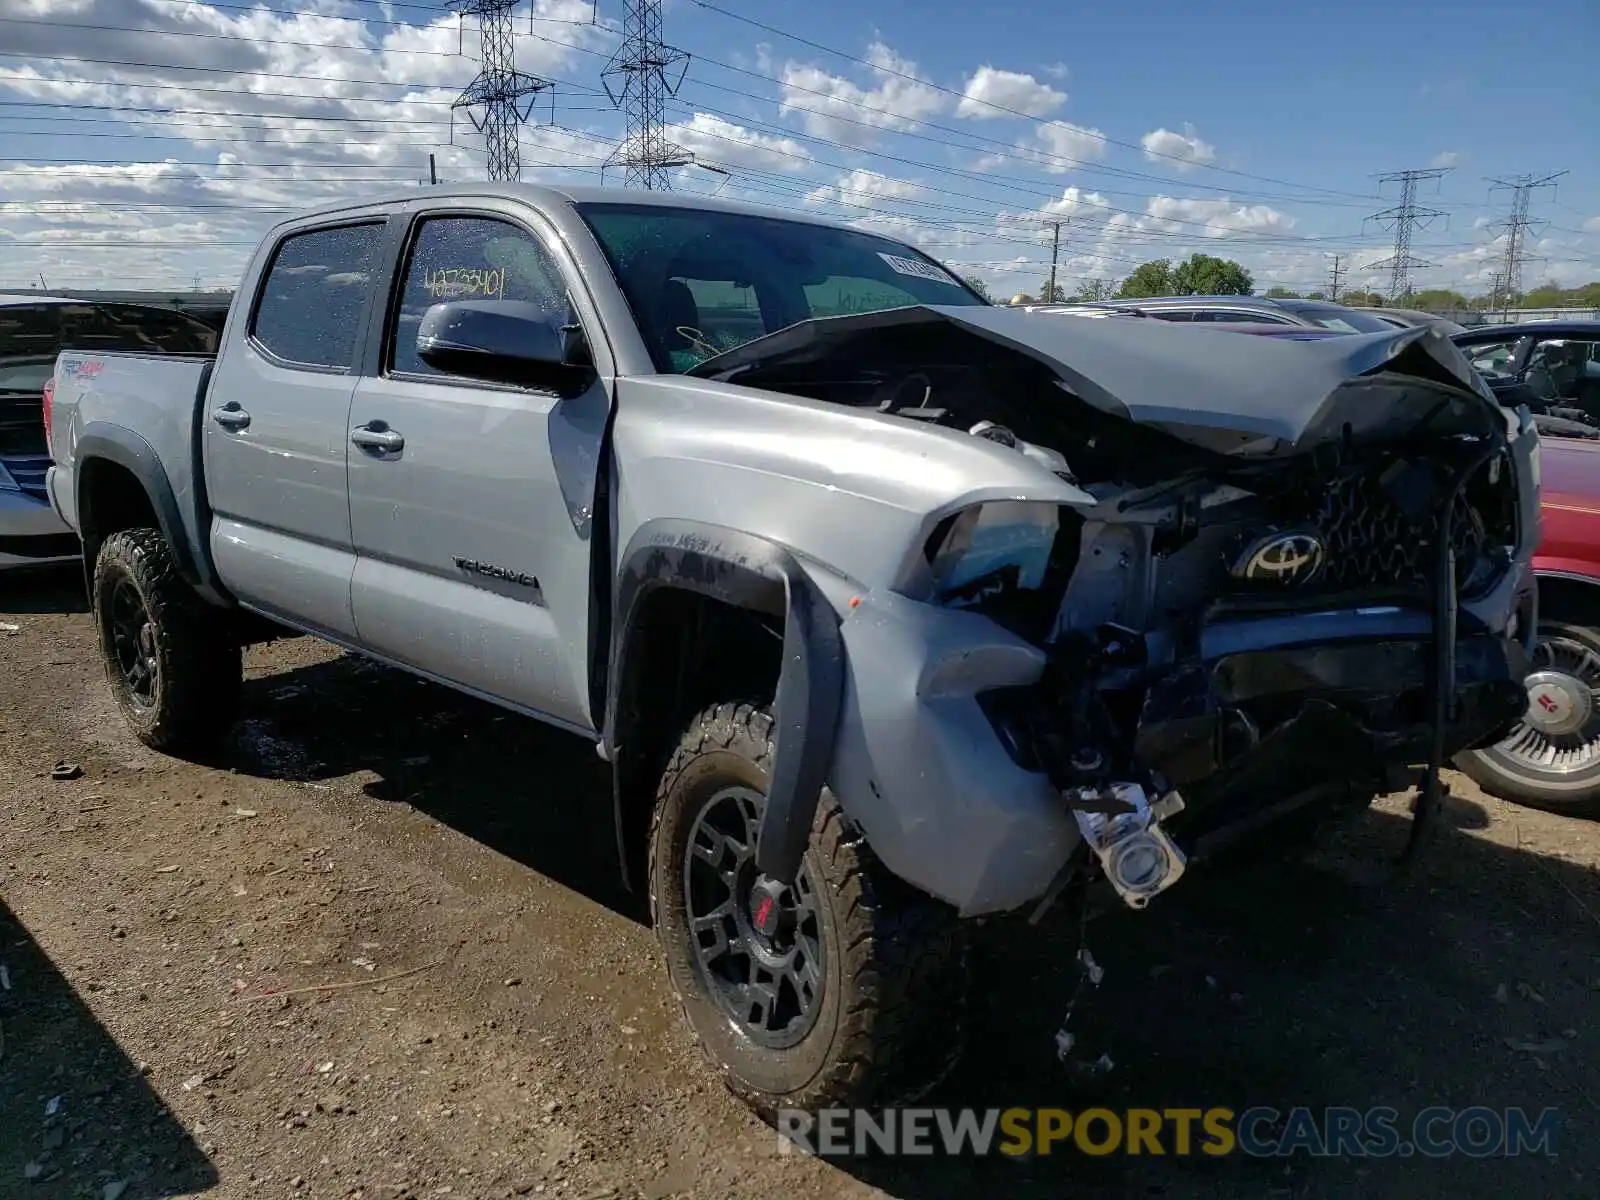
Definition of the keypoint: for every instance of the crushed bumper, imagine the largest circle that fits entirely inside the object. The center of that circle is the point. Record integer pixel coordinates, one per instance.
(950, 805)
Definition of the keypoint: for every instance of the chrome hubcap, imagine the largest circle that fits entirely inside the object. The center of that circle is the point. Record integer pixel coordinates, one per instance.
(1560, 733)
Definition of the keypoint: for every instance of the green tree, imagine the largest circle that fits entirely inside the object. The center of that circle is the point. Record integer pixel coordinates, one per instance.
(1281, 293)
(1148, 279)
(1437, 299)
(1095, 289)
(1356, 298)
(1315, 296)
(1203, 275)
(977, 285)
(1052, 293)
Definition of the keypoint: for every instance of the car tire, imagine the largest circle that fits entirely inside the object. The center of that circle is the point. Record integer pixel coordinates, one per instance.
(174, 667)
(1558, 772)
(886, 962)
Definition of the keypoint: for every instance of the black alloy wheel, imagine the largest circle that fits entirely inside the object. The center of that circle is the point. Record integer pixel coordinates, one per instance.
(758, 951)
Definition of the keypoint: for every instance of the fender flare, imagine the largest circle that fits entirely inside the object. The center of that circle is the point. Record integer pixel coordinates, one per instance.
(115, 444)
(753, 573)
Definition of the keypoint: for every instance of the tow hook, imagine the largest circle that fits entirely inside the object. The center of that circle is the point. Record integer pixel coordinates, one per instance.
(1137, 856)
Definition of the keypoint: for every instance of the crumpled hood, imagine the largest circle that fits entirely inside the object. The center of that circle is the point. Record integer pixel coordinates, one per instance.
(1220, 389)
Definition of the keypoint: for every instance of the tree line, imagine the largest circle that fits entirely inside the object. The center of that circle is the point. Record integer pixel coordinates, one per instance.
(1206, 275)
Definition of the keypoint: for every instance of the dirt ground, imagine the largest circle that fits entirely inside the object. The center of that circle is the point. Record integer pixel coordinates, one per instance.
(510, 1031)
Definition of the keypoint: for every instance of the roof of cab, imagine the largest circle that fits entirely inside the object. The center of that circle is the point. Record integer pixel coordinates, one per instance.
(546, 194)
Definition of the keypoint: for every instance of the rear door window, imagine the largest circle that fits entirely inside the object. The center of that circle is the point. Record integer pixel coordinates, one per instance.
(313, 302)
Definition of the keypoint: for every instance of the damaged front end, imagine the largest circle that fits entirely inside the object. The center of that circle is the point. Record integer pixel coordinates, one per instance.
(1300, 578)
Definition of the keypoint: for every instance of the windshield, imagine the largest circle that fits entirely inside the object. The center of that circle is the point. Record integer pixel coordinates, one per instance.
(702, 282)
(1345, 320)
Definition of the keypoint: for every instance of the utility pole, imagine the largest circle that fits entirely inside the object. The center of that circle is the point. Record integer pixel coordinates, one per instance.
(1497, 297)
(500, 89)
(1055, 253)
(642, 70)
(1516, 227)
(1403, 218)
(1333, 277)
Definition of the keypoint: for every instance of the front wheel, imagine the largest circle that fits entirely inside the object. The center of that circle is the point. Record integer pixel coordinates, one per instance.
(1551, 760)
(174, 667)
(847, 988)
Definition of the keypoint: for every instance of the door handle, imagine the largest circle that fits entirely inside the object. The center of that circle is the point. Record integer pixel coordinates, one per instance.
(375, 435)
(231, 416)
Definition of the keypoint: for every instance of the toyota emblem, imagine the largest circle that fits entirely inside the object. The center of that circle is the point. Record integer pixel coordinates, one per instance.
(1282, 558)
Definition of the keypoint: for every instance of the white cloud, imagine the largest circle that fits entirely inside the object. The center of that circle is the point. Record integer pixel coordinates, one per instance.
(293, 109)
(992, 93)
(1057, 71)
(838, 108)
(1592, 225)
(1074, 201)
(862, 188)
(1163, 145)
(1445, 158)
(715, 141)
(1060, 146)
(1219, 218)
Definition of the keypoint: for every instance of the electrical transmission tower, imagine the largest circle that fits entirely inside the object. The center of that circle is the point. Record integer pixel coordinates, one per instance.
(1403, 218)
(505, 94)
(639, 78)
(1516, 227)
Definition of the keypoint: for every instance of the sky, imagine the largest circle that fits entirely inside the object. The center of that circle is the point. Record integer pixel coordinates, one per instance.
(149, 143)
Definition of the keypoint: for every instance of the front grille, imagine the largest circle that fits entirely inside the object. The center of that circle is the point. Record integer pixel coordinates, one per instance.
(1370, 541)
(28, 470)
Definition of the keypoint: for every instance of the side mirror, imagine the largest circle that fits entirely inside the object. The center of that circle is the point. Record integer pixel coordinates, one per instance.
(505, 341)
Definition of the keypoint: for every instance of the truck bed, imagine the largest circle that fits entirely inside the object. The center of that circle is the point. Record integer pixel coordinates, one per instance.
(157, 394)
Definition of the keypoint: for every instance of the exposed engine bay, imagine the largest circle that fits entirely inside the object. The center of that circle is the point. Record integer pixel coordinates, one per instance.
(1265, 607)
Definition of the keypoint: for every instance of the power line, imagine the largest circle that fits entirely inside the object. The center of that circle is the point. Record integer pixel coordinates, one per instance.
(1403, 218)
(644, 65)
(1516, 226)
(505, 94)
(1015, 112)
(226, 37)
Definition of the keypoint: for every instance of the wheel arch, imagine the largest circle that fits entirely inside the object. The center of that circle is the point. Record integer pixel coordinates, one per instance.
(120, 484)
(1568, 597)
(682, 586)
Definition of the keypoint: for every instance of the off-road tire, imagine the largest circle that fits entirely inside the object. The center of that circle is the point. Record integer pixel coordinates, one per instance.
(199, 662)
(1574, 793)
(891, 1022)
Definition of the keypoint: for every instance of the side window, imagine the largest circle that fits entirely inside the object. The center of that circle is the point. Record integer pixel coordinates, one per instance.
(1245, 317)
(1563, 369)
(1492, 358)
(315, 295)
(842, 294)
(461, 258)
(1172, 314)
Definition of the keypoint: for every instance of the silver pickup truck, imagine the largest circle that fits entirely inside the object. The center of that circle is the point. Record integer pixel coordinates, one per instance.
(889, 608)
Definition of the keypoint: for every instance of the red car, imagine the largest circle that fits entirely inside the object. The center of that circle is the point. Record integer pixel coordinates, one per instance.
(1552, 759)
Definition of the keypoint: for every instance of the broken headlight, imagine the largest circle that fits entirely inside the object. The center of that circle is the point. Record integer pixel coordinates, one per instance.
(999, 544)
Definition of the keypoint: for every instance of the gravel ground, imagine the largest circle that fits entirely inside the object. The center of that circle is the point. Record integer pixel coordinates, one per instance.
(500, 1024)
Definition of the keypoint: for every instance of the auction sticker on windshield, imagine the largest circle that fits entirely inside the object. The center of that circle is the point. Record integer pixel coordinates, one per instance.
(919, 270)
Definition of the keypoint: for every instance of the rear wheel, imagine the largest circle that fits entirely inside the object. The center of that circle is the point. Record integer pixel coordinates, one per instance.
(1551, 760)
(173, 664)
(847, 988)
